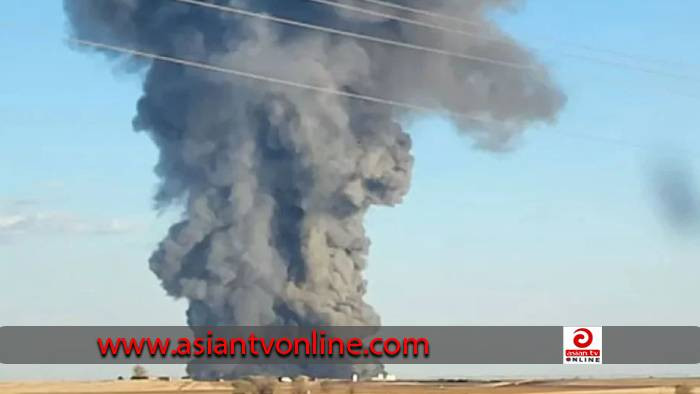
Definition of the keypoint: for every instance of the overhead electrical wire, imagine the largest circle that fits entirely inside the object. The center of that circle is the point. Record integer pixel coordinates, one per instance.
(504, 41)
(333, 91)
(291, 22)
(269, 79)
(423, 12)
(440, 51)
(410, 21)
(464, 22)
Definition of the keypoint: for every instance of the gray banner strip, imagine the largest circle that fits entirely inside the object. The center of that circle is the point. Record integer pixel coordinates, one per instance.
(448, 344)
(651, 345)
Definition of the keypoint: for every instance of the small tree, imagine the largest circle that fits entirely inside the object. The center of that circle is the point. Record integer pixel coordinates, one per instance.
(255, 385)
(139, 372)
(265, 386)
(326, 386)
(683, 389)
(302, 386)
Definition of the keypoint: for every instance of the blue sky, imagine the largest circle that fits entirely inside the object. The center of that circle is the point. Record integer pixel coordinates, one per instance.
(565, 229)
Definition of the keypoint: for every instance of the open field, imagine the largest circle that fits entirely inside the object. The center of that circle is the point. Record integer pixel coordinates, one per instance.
(574, 386)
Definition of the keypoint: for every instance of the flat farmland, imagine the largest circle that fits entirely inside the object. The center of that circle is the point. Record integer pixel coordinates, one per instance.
(271, 386)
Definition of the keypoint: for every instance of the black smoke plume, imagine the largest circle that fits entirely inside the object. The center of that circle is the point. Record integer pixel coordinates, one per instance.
(678, 194)
(276, 181)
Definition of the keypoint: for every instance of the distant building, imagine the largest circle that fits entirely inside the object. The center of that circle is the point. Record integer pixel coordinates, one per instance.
(284, 379)
(384, 377)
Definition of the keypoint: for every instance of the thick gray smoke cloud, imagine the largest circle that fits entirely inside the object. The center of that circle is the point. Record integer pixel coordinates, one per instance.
(276, 181)
(678, 194)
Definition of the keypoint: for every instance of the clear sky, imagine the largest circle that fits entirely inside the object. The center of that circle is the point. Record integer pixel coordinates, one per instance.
(565, 229)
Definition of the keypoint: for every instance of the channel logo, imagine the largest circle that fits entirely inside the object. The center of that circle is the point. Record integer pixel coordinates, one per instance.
(583, 345)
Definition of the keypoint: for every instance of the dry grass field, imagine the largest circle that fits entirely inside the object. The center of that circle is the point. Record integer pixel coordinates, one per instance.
(260, 386)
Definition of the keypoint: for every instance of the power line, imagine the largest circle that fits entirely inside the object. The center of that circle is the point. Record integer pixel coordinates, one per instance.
(336, 92)
(445, 17)
(614, 63)
(265, 78)
(410, 21)
(612, 141)
(360, 36)
(460, 55)
(424, 12)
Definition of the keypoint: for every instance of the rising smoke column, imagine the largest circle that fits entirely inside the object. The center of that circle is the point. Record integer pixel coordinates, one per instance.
(674, 183)
(275, 181)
